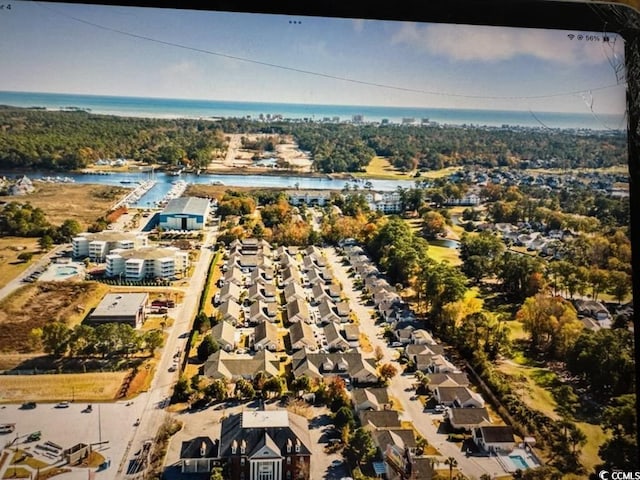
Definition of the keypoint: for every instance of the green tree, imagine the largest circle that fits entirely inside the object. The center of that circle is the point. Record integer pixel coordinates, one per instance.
(182, 391)
(433, 224)
(217, 390)
(207, 347)
(479, 254)
(552, 324)
(619, 285)
(45, 242)
(244, 389)
(55, 338)
(273, 386)
(620, 451)
(153, 340)
(361, 447)
(344, 417)
(25, 256)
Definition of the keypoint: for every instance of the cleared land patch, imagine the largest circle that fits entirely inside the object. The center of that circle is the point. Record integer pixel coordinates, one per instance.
(37, 304)
(62, 201)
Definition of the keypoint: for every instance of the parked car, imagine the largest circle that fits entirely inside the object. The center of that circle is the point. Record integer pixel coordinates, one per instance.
(64, 404)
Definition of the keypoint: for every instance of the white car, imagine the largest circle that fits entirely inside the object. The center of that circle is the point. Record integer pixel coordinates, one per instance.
(63, 405)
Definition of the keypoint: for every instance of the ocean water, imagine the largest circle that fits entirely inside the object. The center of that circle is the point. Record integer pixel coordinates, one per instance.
(180, 108)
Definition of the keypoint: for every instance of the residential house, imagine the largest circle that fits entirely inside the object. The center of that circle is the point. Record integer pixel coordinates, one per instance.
(335, 341)
(292, 291)
(327, 313)
(595, 310)
(370, 398)
(225, 334)
(229, 291)
(343, 310)
(447, 380)
(458, 397)
(229, 311)
(261, 312)
(301, 336)
(468, 418)
(351, 333)
(422, 337)
(298, 311)
(494, 439)
(232, 275)
(397, 447)
(265, 337)
(265, 292)
(379, 419)
(232, 367)
(319, 294)
(349, 365)
(291, 274)
(266, 445)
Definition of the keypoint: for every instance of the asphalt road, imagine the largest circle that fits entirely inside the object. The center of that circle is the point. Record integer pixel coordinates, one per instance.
(155, 401)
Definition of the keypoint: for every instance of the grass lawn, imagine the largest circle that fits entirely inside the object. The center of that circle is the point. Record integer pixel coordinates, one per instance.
(595, 437)
(446, 254)
(527, 383)
(102, 386)
(516, 330)
(379, 167)
(10, 248)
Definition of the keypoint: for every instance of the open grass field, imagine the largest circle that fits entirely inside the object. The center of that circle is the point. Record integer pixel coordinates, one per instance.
(526, 383)
(10, 248)
(380, 168)
(36, 304)
(444, 254)
(103, 386)
(63, 201)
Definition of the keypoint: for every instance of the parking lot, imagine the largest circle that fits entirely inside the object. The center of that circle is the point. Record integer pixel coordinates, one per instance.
(65, 427)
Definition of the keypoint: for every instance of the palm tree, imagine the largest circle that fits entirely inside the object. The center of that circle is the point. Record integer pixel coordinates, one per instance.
(453, 463)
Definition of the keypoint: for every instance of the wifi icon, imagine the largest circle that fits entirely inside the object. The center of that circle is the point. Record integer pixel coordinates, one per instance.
(571, 36)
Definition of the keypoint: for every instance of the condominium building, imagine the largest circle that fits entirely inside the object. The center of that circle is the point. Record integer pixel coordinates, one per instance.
(147, 262)
(98, 245)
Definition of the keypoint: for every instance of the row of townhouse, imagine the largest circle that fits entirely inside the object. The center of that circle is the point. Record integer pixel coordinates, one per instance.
(316, 317)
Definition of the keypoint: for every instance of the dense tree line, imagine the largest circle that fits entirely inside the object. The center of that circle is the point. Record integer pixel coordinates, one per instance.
(107, 339)
(73, 139)
(25, 220)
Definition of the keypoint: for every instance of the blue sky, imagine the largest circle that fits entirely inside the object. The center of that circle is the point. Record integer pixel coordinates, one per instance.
(108, 51)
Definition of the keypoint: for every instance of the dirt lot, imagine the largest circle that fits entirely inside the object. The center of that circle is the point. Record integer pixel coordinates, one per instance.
(238, 157)
(62, 201)
(34, 305)
(10, 248)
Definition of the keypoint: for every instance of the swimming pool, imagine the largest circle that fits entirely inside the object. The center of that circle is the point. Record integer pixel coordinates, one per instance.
(66, 271)
(519, 462)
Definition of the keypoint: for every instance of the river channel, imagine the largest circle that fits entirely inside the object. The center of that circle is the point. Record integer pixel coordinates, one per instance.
(165, 182)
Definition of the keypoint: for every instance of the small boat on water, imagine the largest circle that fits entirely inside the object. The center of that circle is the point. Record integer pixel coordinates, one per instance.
(217, 182)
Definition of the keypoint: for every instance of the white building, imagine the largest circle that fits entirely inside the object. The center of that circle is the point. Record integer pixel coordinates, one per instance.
(385, 202)
(147, 262)
(98, 245)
